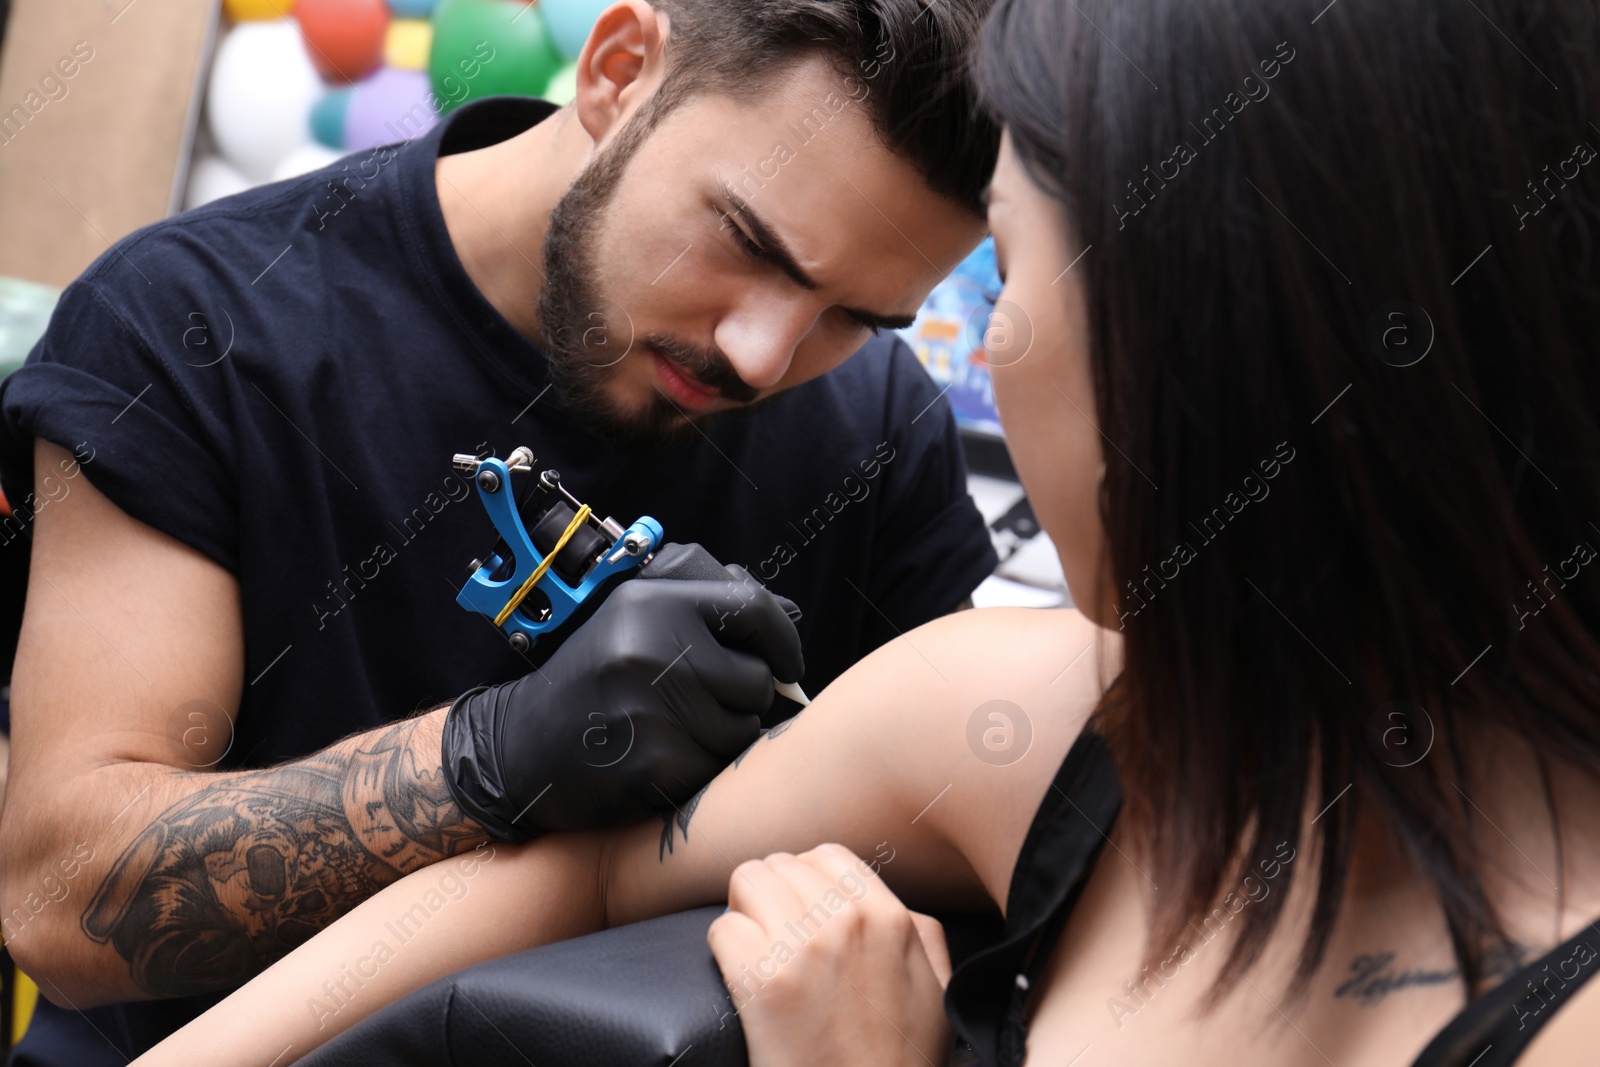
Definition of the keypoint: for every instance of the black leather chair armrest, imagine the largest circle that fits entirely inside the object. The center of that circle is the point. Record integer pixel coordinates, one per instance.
(648, 994)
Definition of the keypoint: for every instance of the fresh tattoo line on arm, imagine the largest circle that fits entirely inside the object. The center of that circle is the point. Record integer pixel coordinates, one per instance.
(232, 877)
(681, 816)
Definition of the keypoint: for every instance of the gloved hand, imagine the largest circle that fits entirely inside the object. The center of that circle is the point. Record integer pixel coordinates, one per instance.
(641, 706)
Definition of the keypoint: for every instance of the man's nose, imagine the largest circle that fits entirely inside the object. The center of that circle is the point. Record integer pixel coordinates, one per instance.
(760, 336)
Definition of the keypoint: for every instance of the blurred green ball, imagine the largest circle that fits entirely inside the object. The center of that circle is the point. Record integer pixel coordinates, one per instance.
(489, 48)
(563, 87)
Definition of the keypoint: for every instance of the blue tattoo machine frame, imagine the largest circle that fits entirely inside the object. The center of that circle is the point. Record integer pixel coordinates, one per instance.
(536, 577)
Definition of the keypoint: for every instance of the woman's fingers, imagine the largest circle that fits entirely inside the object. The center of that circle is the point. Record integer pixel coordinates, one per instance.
(931, 931)
(737, 943)
(820, 958)
(759, 889)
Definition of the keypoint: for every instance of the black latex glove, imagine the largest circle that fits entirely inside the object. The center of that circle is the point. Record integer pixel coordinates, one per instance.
(641, 706)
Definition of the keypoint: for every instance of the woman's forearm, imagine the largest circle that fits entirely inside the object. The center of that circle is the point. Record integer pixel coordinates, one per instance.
(447, 916)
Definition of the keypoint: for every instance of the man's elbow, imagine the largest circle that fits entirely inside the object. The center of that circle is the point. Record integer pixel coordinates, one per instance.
(33, 942)
(39, 911)
(45, 953)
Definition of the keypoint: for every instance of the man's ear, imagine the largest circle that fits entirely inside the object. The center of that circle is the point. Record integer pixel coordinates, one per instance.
(621, 64)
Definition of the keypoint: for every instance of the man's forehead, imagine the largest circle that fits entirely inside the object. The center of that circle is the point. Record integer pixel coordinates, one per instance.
(879, 280)
(814, 170)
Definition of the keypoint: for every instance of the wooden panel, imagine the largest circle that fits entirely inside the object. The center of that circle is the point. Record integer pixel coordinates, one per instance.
(99, 100)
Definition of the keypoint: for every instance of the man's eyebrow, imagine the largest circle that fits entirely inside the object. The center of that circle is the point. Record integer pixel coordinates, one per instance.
(766, 237)
(773, 248)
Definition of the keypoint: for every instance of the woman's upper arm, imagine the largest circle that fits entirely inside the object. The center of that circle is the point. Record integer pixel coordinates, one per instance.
(927, 759)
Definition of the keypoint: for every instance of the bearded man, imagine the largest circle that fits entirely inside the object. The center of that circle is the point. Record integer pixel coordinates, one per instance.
(245, 698)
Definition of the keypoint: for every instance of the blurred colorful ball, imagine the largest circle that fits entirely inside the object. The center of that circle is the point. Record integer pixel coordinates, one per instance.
(408, 43)
(570, 21)
(563, 87)
(413, 9)
(304, 160)
(488, 48)
(250, 10)
(390, 106)
(212, 178)
(345, 37)
(259, 100)
(328, 116)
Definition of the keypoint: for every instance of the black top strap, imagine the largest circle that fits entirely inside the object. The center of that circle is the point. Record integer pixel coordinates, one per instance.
(1495, 1029)
(985, 996)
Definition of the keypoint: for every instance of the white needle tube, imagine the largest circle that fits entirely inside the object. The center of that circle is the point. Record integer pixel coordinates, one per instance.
(793, 691)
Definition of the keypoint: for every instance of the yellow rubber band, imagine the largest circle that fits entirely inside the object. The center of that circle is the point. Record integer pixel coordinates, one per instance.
(538, 572)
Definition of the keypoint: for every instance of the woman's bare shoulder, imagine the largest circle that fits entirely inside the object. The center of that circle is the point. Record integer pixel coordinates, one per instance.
(1007, 692)
(1573, 1034)
(985, 646)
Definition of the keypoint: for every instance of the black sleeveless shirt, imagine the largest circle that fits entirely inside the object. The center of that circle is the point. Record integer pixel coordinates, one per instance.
(987, 995)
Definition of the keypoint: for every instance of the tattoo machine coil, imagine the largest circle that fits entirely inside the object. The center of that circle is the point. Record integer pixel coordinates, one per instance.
(540, 571)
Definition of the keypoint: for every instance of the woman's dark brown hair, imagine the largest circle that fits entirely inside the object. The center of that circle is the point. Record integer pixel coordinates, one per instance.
(1352, 244)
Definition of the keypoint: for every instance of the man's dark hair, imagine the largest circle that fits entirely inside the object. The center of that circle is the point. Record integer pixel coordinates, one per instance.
(911, 55)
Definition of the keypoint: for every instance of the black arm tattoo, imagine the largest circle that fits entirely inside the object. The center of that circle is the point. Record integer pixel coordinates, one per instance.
(240, 872)
(681, 816)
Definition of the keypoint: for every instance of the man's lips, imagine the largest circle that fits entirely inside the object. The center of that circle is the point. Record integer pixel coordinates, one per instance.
(681, 389)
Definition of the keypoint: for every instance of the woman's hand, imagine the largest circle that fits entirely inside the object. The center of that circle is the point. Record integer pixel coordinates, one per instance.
(826, 966)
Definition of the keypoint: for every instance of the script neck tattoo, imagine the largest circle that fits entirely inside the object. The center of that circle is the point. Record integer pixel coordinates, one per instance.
(1374, 975)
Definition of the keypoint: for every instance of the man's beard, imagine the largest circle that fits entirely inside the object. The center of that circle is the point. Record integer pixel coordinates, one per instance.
(587, 337)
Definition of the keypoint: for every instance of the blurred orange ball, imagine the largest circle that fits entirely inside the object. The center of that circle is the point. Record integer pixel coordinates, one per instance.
(343, 37)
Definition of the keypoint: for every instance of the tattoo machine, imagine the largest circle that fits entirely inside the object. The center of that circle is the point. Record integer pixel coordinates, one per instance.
(541, 570)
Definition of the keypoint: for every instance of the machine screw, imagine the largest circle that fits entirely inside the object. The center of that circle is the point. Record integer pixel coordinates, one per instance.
(632, 545)
(520, 643)
(489, 480)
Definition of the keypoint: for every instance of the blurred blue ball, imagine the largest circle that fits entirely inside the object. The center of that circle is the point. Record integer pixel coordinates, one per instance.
(328, 116)
(570, 21)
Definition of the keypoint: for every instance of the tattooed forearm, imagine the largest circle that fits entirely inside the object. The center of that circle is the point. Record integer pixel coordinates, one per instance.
(251, 864)
(681, 816)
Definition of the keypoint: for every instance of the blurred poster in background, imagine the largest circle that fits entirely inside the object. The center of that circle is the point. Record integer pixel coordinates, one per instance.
(948, 337)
